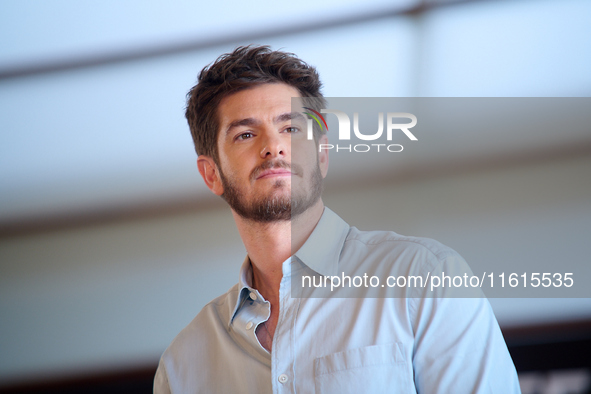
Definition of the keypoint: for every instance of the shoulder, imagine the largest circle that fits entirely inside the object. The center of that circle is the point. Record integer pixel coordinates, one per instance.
(185, 363)
(415, 264)
(397, 247)
(212, 320)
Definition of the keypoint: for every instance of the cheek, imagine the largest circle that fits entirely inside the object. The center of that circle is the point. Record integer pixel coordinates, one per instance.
(304, 151)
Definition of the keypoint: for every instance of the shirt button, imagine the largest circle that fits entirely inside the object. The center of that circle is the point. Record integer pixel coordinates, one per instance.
(253, 296)
(283, 378)
(249, 325)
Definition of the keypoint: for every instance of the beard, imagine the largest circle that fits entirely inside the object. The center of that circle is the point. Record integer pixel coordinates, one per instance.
(276, 206)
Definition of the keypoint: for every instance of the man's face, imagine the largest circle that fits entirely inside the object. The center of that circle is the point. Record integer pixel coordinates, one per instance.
(268, 170)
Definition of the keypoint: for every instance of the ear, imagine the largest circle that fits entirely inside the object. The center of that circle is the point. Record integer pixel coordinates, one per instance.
(323, 156)
(210, 173)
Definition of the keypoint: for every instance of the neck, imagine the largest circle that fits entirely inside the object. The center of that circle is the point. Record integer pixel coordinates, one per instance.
(269, 244)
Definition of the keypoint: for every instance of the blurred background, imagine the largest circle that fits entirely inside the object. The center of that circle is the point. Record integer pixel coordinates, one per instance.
(110, 244)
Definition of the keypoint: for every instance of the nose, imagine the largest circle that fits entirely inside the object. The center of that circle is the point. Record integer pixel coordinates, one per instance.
(273, 146)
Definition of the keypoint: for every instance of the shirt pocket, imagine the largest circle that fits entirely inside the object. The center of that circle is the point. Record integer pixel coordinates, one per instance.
(371, 369)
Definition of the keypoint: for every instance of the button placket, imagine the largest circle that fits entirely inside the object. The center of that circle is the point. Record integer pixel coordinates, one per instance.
(283, 352)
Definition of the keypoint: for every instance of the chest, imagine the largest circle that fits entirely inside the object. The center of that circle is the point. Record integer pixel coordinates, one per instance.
(344, 345)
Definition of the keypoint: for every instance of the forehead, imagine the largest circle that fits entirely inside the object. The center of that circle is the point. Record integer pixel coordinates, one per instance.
(259, 102)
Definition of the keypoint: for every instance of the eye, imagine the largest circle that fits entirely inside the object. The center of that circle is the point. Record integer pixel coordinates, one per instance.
(244, 136)
(292, 129)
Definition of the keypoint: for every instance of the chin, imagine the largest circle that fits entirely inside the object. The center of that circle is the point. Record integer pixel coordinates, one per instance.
(282, 183)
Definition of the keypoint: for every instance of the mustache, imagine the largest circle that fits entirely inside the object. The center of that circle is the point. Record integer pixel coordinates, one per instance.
(295, 169)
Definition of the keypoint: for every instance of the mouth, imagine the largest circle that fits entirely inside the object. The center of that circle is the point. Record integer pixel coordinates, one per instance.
(274, 173)
(274, 169)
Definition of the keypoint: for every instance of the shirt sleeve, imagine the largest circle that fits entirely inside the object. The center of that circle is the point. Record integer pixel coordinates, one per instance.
(161, 380)
(459, 347)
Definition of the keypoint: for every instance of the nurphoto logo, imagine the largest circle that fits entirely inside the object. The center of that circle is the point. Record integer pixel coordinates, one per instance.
(392, 126)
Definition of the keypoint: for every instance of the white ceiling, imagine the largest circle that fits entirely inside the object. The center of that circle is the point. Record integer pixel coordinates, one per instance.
(36, 30)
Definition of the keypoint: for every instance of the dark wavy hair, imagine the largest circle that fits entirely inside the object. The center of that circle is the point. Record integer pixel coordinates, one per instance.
(246, 67)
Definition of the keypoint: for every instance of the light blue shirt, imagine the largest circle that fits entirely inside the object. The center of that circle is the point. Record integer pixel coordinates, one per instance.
(344, 345)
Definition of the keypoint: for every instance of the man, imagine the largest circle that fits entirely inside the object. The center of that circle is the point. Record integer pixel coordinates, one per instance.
(253, 151)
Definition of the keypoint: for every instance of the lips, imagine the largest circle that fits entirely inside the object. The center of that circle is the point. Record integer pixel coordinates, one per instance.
(269, 169)
(276, 172)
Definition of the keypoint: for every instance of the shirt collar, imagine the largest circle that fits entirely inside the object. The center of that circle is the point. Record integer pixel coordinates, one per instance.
(244, 285)
(322, 249)
(245, 279)
(320, 252)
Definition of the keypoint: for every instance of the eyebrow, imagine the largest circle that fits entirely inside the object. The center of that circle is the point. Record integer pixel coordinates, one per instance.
(253, 122)
(241, 122)
(289, 116)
